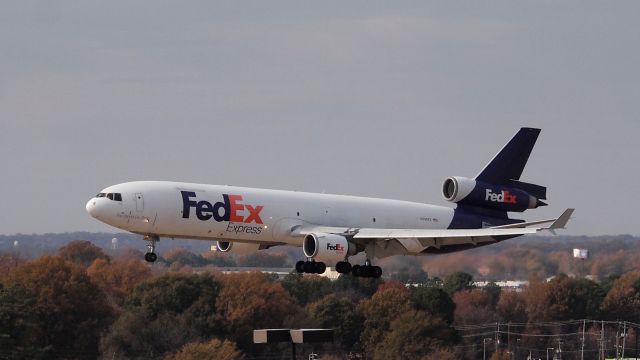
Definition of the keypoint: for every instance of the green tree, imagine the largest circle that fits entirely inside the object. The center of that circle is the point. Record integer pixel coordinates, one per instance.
(341, 315)
(456, 282)
(306, 289)
(434, 301)
(82, 252)
(67, 312)
(414, 334)
(357, 287)
(494, 292)
(211, 350)
(17, 325)
(165, 313)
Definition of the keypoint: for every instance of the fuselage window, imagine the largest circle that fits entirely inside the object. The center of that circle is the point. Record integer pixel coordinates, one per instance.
(374, 219)
(117, 197)
(110, 196)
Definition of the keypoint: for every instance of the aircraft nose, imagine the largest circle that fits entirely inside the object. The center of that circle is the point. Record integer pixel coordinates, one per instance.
(91, 207)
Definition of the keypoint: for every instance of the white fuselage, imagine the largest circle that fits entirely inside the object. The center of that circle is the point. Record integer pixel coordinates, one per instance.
(213, 212)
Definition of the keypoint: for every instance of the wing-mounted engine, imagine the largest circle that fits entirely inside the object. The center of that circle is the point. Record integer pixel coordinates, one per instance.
(239, 248)
(512, 195)
(327, 247)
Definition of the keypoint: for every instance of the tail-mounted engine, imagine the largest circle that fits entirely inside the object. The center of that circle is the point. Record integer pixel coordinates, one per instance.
(512, 196)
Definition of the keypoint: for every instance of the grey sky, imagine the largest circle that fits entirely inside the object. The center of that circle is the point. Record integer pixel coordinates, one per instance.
(381, 99)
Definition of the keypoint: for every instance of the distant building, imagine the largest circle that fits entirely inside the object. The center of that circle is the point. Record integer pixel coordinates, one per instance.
(581, 254)
(517, 285)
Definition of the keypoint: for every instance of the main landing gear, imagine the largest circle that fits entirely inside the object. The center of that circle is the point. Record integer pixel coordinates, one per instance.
(311, 267)
(342, 267)
(151, 240)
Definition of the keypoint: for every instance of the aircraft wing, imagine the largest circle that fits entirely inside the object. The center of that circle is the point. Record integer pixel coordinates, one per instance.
(416, 240)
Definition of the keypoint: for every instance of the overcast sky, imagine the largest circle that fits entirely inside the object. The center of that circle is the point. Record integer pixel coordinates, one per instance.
(382, 99)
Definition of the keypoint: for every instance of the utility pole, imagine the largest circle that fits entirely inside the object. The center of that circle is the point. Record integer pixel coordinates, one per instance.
(624, 337)
(602, 341)
(497, 330)
(484, 348)
(618, 341)
(584, 324)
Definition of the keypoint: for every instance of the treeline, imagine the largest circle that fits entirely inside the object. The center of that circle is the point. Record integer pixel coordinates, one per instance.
(515, 259)
(82, 303)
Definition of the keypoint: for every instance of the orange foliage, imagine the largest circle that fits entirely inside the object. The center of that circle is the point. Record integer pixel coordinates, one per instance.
(118, 278)
(473, 307)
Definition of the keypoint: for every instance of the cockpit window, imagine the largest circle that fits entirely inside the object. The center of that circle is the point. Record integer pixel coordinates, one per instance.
(111, 196)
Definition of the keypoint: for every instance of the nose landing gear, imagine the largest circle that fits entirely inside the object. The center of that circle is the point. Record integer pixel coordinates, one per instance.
(151, 240)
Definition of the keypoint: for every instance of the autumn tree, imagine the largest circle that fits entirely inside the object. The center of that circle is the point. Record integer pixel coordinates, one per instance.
(67, 312)
(251, 301)
(340, 315)
(623, 300)
(563, 298)
(82, 252)
(456, 282)
(8, 262)
(434, 301)
(210, 350)
(164, 314)
(473, 306)
(512, 307)
(414, 334)
(379, 311)
(118, 278)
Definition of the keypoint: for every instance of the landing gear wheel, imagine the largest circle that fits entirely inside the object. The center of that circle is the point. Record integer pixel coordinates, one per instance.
(343, 267)
(300, 266)
(150, 257)
(376, 272)
(320, 268)
(151, 240)
(309, 267)
(356, 270)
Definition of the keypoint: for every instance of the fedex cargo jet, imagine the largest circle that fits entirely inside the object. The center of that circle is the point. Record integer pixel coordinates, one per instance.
(332, 228)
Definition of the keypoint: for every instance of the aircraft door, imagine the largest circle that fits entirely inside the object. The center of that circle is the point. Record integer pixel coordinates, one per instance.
(139, 202)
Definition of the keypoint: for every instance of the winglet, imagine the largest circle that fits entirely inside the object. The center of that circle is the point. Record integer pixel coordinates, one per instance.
(562, 220)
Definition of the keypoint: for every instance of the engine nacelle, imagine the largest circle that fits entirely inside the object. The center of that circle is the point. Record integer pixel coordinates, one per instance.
(467, 191)
(237, 247)
(327, 247)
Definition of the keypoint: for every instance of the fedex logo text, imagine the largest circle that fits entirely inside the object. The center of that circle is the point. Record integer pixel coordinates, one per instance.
(336, 247)
(230, 209)
(501, 197)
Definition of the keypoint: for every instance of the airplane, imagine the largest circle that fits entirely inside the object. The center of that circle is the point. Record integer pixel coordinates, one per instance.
(332, 228)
